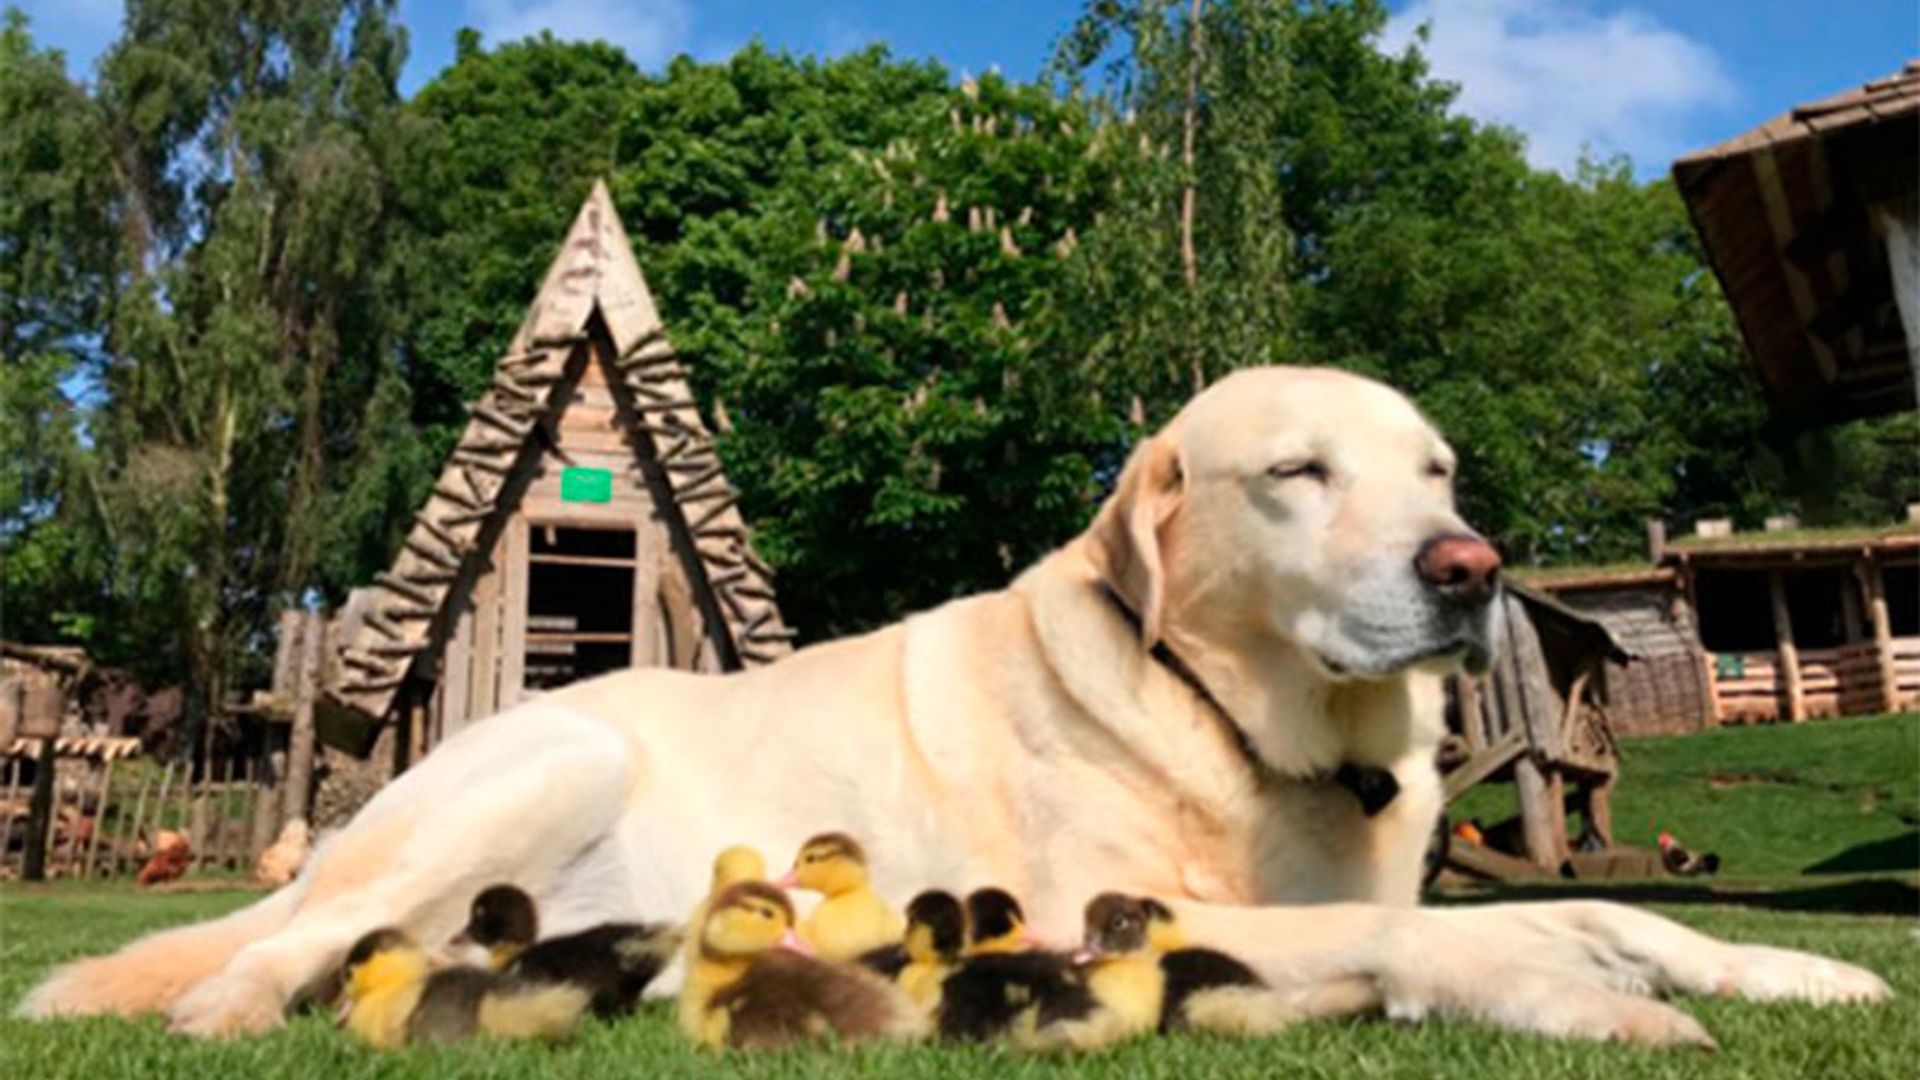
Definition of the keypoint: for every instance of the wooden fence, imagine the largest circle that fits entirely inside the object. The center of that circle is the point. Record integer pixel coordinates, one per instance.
(1753, 687)
(107, 805)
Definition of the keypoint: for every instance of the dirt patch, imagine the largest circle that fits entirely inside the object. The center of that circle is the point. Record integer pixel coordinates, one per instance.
(1723, 781)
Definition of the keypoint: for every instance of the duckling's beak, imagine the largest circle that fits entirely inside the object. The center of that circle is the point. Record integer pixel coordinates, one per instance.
(343, 1011)
(464, 937)
(793, 942)
(1085, 956)
(788, 880)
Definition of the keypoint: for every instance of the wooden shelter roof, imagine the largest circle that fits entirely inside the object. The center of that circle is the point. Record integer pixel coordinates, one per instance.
(1796, 545)
(1784, 212)
(594, 287)
(1580, 628)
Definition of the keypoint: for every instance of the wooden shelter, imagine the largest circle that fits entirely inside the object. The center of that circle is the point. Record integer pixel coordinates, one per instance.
(1807, 623)
(1539, 720)
(583, 522)
(1667, 688)
(1812, 223)
(1732, 628)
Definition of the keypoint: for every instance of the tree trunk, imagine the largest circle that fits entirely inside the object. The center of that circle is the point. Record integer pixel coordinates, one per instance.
(1189, 181)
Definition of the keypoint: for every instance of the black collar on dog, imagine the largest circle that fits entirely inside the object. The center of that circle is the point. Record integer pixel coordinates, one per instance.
(1374, 786)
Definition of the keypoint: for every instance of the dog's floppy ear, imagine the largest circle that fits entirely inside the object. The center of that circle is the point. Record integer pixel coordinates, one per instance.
(1126, 545)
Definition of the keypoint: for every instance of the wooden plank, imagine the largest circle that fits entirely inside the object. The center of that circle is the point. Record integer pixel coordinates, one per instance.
(649, 543)
(40, 814)
(298, 789)
(1874, 584)
(1789, 653)
(612, 561)
(1484, 764)
(1472, 724)
(1485, 862)
(578, 637)
(513, 612)
(456, 669)
(127, 849)
(484, 680)
(1543, 822)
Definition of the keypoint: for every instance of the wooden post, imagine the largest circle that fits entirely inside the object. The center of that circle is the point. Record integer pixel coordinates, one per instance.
(8, 797)
(1876, 590)
(1542, 823)
(99, 816)
(128, 847)
(160, 800)
(40, 813)
(1472, 726)
(1789, 653)
(299, 778)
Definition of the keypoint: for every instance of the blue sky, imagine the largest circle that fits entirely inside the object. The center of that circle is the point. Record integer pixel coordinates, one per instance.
(1649, 78)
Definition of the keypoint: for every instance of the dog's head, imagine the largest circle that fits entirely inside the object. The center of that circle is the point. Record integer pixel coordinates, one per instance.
(1307, 505)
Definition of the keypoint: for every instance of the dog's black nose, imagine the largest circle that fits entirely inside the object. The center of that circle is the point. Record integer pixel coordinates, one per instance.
(1462, 568)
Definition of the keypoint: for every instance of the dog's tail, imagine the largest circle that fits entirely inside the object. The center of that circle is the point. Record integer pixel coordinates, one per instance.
(147, 975)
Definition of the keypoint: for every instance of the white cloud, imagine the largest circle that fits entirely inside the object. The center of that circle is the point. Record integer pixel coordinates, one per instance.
(651, 31)
(1569, 78)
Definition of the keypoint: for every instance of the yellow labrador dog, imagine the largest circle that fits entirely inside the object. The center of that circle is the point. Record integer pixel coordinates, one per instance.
(1227, 693)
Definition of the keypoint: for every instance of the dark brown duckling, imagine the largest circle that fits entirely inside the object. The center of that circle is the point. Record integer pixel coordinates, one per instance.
(612, 962)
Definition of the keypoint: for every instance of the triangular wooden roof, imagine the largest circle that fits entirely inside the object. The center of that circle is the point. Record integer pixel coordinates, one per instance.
(594, 286)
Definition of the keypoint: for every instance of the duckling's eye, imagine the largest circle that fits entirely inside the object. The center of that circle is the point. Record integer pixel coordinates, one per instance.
(1311, 469)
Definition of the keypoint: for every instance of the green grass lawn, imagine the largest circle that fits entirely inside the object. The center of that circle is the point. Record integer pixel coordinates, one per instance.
(1781, 801)
(1837, 787)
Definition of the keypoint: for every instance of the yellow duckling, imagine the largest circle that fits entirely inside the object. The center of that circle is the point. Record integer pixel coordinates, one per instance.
(1206, 989)
(393, 997)
(1124, 993)
(732, 866)
(852, 919)
(748, 987)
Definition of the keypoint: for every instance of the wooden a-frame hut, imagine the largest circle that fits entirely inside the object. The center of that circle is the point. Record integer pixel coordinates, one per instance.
(582, 524)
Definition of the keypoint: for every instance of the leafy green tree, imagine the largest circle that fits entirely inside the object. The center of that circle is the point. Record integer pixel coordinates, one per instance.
(247, 331)
(911, 421)
(56, 282)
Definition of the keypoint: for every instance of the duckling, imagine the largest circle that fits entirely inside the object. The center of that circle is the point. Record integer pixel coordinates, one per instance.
(1004, 981)
(851, 919)
(748, 987)
(1124, 995)
(936, 933)
(732, 866)
(996, 923)
(613, 962)
(1206, 989)
(393, 996)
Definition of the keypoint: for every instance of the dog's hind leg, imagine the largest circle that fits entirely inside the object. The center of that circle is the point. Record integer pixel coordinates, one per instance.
(147, 975)
(516, 804)
(515, 798)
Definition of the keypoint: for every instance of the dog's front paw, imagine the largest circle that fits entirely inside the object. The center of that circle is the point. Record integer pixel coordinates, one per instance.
(1763, 973)
(235, 1003)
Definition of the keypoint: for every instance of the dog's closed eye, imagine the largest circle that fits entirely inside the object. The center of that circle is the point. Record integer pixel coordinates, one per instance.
(1310, 468)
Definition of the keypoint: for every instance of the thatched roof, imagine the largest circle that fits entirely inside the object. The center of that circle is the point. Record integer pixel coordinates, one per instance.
(1786, 214)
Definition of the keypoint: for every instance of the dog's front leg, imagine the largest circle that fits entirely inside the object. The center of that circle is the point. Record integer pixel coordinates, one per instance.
(1420, 965)
(1640, 951)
